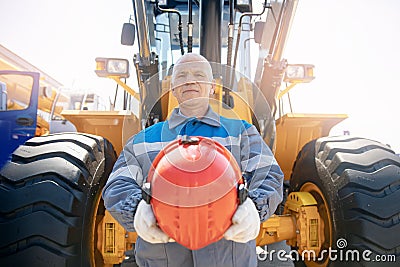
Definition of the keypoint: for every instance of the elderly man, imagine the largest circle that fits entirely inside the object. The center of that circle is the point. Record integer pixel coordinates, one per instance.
(192, 84)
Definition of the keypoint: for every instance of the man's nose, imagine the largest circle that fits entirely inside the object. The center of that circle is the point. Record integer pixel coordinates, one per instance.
(190, 82)
(190, 78)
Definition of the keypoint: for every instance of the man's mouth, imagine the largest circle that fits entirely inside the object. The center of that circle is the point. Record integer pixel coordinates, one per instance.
(190, 91)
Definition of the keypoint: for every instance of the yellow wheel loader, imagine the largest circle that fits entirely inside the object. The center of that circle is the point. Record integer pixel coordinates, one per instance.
(341, 193)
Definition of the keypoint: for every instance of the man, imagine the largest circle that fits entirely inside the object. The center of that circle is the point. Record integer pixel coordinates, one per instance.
(192, 84)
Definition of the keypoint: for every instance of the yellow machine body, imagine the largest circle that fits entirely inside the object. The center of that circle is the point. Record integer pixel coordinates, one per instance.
(294, 130)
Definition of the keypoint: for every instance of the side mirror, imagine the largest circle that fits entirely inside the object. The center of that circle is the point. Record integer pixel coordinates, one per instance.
(258, 31)
(128, 34)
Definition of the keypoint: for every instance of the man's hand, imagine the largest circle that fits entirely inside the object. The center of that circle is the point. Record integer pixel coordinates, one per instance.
(245, 223)
(146, 226)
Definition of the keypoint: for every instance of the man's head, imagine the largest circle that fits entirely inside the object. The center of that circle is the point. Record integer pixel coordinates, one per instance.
(192, 82)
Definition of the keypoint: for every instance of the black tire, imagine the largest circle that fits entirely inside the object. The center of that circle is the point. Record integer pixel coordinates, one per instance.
(360, 181)
(49, 197)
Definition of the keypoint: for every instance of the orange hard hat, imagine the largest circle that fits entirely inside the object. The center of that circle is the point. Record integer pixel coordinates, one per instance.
(193, 188)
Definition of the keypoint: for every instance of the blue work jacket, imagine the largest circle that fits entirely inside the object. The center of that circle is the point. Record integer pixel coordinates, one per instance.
(122, 192)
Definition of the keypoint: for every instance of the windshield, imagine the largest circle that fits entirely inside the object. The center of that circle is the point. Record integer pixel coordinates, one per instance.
(165, 40)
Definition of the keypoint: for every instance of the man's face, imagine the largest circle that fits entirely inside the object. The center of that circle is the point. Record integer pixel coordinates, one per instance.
(192, 82)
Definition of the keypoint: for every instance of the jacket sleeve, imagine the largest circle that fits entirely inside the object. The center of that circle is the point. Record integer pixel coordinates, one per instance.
(122, 194)
(264, 176)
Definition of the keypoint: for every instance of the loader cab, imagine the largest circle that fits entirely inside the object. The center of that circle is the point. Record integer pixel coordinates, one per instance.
(18, 110)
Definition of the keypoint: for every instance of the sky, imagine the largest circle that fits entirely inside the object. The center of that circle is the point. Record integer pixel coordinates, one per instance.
(354, 45)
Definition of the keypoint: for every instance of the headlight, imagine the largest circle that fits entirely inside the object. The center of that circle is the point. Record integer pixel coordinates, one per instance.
(112, 67)
(117, 66)
(299, 73)
(244, 5)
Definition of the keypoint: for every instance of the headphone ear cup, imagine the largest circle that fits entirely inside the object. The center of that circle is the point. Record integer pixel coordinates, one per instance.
(146, 192)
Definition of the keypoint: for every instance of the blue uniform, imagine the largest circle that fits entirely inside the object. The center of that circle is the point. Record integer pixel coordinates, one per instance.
(122, 192)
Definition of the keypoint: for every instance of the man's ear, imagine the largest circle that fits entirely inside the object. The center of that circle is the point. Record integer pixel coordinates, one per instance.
(173, 91)
(213, 84)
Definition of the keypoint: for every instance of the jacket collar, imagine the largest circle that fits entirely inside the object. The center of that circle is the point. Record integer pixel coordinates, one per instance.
(177, 118)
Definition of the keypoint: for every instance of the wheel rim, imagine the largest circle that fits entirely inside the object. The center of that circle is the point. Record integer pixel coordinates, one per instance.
(95, 258)
(323, 210)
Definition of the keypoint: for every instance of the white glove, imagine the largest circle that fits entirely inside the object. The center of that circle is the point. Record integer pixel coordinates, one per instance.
(245, 223)
(146, 226)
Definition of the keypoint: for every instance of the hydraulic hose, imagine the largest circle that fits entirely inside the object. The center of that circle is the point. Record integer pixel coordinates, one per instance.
(240, 29)
(170, 10)
(231, 28)
(190, 26)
